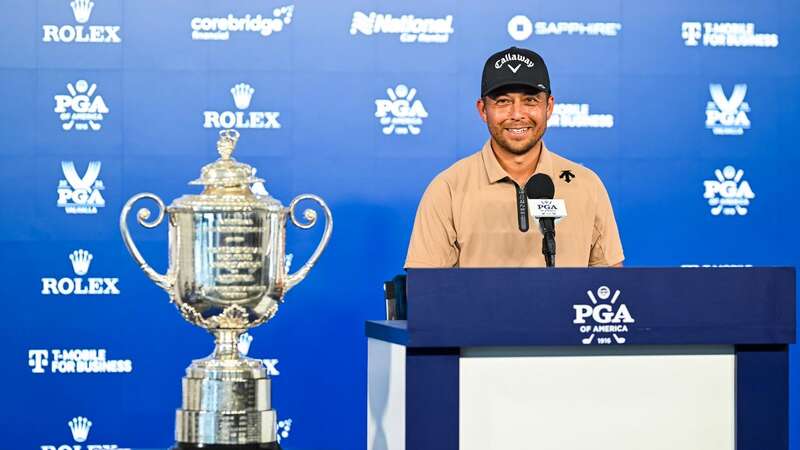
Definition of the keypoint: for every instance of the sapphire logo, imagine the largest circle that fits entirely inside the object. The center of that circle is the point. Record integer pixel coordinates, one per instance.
(76, 361)
(577, 115)
(402, 112)
(220, 28)
(727, 115)
(242, 94)
(81, 260)
(728, 194)
(79, 427)
(603, 320)
(82, 11)
(725, 34)
(80, 195)
(81, 109)
(521, 28)
(410, 28)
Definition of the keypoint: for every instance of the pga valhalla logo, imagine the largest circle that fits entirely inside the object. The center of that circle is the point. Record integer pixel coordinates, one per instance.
(81, 260)
(409, 28)
(402, 112)
(727, 115)
(521, 28)
(220, 28)
(242, 94)
(728, 194)
(577, 115)
(80, 109)
(79, 427)
(82, 11)
(725, 34)
(245, 339)
(70, 361)
(80, 194)
(602, 318)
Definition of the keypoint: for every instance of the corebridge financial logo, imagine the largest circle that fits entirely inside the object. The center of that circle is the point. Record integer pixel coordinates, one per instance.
(79, 428)
(242, 94)
(81, 260)
(725, 34)
(727, 116)
(602, 320)
(577, 115)
(80, 194)
(76, 361)
(521, 27)
(82, 11)
(220, 28)
(409, 28)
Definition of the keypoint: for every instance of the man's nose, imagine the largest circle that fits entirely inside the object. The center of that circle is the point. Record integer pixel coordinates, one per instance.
(517, 110)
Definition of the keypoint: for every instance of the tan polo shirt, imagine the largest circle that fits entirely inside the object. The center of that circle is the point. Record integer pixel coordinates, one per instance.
(468, 218)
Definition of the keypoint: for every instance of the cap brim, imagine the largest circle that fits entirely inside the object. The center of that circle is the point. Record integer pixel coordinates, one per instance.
(538, 87)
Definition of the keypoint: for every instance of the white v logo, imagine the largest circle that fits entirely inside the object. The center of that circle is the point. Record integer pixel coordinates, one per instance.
(514, 69)
(76, 181)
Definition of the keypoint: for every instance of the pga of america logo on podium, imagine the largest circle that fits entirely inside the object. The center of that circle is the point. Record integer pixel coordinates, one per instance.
(602, 320)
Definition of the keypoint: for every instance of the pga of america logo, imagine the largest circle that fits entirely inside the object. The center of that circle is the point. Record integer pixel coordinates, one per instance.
(521, 28)
(63, 361)
(242, 94)
(728, 194)
(82, 11)
(220, 28)
(727, 115)
(402, 112)
(725, 34)
(576, 115)
(80, 194)
(81, 260)
(80, 109)
(79, 427)
(602, 318)
(410, 28)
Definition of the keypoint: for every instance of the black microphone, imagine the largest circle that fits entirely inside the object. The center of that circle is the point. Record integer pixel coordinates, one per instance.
(541, 187)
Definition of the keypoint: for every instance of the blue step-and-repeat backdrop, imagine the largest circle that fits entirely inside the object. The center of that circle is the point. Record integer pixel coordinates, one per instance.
(686, 109)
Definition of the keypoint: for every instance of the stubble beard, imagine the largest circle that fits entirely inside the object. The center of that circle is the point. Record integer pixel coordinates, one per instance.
(516, 148)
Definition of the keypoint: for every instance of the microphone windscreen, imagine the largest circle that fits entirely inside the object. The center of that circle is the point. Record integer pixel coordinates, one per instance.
(540, 186)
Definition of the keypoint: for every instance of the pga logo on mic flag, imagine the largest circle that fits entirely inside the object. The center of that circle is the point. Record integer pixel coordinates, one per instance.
(547, 208)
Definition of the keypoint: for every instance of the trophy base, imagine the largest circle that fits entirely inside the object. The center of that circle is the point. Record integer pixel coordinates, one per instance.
(191, 446)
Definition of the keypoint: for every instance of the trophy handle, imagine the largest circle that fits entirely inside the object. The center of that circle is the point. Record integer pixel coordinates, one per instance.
(141, 217)
(311, 216)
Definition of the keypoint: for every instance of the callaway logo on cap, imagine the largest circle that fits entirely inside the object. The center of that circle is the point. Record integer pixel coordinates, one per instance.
(515, 66)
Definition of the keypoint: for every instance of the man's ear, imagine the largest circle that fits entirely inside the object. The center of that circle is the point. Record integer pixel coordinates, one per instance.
(481, 106)
(551, 102)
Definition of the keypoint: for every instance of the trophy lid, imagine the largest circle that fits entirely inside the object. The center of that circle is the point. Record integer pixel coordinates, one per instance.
(226, 171)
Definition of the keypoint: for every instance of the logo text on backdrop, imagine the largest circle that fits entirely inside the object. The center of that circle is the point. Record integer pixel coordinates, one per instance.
(725, 34)
(81, 260)
(80, 109)
(220, 28)
(242, 94)
(80, 194)
(82, 11)
(76, 361)
(409, 28)
(727, 115)
(401, 113)
(521, 28)
(728, 194)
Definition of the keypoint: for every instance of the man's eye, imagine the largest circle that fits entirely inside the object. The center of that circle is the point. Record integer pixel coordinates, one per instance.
(532, 100)
(502, 101)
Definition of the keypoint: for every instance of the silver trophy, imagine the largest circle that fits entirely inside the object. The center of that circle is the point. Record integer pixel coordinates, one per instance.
(228, 272)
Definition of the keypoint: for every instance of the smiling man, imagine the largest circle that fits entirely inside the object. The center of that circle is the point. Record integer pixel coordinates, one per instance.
(470, 215)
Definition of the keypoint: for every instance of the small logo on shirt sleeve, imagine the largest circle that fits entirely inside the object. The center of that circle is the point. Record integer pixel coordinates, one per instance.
(566, 175)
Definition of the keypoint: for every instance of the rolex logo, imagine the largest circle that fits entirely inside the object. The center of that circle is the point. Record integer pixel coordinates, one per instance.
(81, 9)
(80, 428)
(242, 94)
(80, 261)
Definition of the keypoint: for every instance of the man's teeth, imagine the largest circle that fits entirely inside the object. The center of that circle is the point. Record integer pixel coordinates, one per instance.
(517, 130)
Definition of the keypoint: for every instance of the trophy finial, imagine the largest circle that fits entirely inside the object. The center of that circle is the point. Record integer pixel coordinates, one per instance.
(227, 142)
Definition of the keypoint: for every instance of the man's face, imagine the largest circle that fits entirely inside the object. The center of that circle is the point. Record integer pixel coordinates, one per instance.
(516, 119)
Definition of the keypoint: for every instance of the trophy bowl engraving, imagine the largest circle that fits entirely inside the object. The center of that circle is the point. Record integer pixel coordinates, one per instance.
(228, 272)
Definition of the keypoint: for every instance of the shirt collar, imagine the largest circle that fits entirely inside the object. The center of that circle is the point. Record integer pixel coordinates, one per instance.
(495, 171)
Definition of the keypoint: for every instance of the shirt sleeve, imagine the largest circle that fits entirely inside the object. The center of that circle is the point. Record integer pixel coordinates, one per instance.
(606, 245)
(433, 239)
